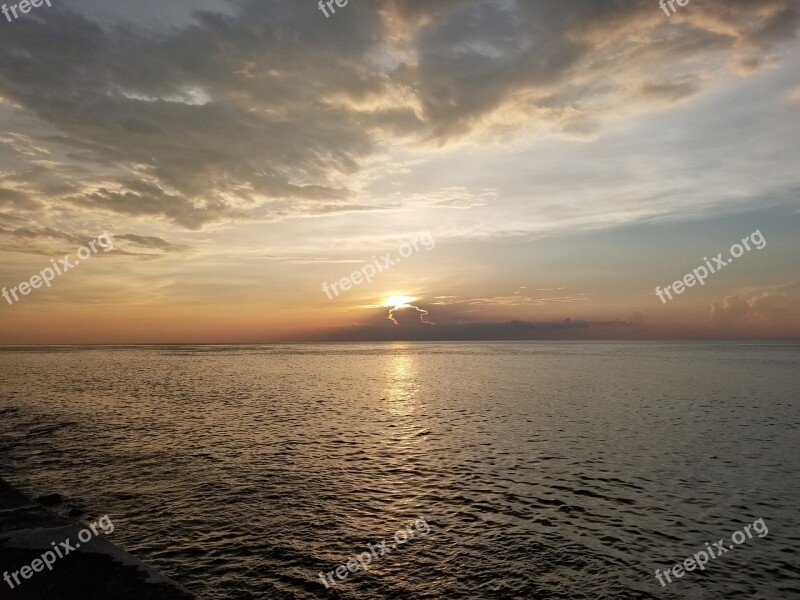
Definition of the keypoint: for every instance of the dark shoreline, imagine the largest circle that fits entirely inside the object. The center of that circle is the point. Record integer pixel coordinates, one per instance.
(97, 571)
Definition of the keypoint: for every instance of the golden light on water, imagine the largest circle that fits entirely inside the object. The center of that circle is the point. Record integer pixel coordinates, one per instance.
(400, 391)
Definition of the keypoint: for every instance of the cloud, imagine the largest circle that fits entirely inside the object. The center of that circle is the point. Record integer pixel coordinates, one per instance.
(151, 242)
(15, 199)
(732, 309)
(222, 112)
(747, 65)
(268, 112)
(44, 233)
(144, 199)
(510, 330)
(516, 299)
(23, 144)
(574, 59)
(412, 323)
(409, 316)
(42, 240)
(778, 306)
(670, 91)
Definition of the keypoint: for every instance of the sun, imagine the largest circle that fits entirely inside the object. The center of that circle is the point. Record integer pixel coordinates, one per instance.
(398, 301)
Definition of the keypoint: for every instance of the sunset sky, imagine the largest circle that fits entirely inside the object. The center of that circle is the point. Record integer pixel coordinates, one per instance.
(567, 157)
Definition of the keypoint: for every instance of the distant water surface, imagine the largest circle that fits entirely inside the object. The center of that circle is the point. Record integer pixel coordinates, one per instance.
(546, 470)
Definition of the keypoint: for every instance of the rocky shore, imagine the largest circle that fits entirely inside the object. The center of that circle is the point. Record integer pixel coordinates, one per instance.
(94, 570)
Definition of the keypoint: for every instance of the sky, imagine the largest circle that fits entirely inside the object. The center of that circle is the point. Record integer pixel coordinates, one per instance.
(457, 169)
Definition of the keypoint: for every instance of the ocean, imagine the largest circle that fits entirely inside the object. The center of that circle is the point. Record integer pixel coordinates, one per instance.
(544, 470)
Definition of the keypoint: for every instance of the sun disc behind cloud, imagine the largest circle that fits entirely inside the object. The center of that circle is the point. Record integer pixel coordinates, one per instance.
(398, 301)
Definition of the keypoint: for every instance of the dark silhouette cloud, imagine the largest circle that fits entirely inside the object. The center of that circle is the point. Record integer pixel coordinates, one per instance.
(780, 305)
(413, 326)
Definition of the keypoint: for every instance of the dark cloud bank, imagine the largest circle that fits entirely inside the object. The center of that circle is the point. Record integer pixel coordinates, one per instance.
(411, 326)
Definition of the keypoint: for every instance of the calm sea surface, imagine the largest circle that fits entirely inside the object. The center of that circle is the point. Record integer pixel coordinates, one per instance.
(545, 470)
